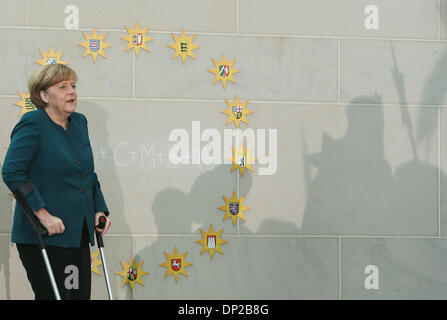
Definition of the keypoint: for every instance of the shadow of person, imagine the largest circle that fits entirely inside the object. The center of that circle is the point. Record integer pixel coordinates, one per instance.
(111, 188)
(206, 196)
(414, 178)
(261, 258)
(434, 93)
(178, 216)
(353, 190)
(104, 163)
(172, 213)
(181, 213)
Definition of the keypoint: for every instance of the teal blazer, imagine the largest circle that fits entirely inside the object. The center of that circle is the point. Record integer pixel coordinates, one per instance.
(60, 165)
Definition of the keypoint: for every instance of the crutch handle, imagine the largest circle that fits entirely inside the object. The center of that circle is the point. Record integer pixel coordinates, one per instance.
(101, 225)
(102, 222)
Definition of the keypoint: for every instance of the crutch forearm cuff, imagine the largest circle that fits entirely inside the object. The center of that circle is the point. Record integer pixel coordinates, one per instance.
(29, 199)
(24, 190)
(29, 193)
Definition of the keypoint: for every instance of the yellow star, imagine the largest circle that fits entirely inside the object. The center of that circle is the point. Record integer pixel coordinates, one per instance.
(236, 111)
(211, 241)
(183, 46)
(95, 262)
(224, 71)
(26, 103)
(137, 38)
(233, 208)
(132, 273)
(51, 57)
(94, 45)
(176, 264)
(241, 159)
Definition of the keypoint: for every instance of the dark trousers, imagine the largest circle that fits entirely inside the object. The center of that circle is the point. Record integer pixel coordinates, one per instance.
(62, 261)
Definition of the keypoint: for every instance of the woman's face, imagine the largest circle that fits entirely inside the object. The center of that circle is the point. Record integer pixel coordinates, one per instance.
(61, 96)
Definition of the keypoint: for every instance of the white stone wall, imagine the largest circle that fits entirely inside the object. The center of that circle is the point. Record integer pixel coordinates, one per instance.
(355, 90)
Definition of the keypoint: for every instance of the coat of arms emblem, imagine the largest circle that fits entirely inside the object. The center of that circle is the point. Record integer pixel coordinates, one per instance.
(176, 264)
(94, 45)
(211, 241)
(132, 274)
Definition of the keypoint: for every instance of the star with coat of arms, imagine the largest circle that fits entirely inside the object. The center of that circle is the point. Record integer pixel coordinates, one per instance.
(183, 46)
(137, 38)
(95, 262)
(94, 45)
(211, 241)
(176, 264)
(132, 273)
(50, 58)
(233, 208)
(224, 71)
(241, 159)
(236, 111)
(26, 104)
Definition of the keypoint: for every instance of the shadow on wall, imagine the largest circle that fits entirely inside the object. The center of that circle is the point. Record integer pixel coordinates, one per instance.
(97, 122)
(105, 168)
(434, 92)
(245, 271)
(355, 191)
(179, 213)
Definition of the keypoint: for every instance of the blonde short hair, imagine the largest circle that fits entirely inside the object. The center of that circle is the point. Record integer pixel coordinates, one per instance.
(45, 77)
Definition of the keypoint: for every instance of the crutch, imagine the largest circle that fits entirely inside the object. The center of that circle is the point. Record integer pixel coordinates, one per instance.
(20, 195)
(101, 225)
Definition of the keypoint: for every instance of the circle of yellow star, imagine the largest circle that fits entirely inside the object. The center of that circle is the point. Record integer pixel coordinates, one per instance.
(224, 71)
(211, 241)
(137, 38)
(95, 262)
(176, 264)
(50, 58)
(94, 45)
(132, 273)
(183, 46)
(236, 111)
(241, 159)
(233, 208)
(26, 103)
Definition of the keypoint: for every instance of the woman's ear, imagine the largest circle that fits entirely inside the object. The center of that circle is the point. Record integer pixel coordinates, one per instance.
(43, 96)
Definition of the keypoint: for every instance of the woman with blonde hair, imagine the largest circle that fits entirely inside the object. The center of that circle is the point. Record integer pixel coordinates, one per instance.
(50, 148)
